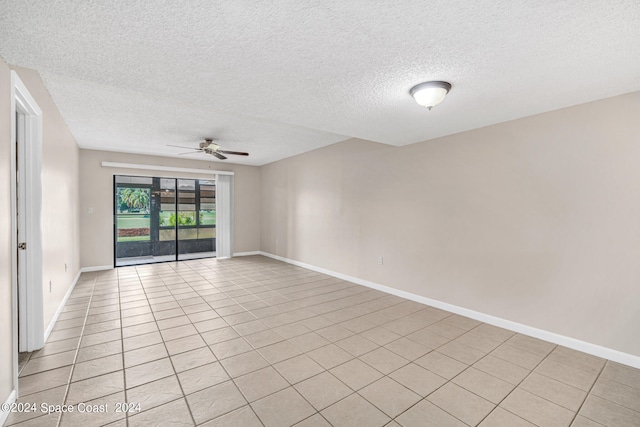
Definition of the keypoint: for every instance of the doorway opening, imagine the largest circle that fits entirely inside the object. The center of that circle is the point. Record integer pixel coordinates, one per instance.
(163, 219)
(26, 231)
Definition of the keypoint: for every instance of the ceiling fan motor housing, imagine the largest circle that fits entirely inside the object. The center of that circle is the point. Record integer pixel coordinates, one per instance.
(208, 146)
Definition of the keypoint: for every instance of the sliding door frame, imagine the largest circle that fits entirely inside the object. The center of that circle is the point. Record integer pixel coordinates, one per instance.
(177, 228)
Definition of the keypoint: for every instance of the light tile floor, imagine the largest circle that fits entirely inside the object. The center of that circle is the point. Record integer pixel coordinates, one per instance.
(255, 342)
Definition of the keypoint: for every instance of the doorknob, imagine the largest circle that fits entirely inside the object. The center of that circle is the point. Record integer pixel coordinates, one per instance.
(22, 246)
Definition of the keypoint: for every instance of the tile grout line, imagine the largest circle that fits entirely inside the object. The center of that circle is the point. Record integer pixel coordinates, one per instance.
(607, 361)
(184, 395)
(464, 370)
(124, 372)
(81, 335)
(75, 356)
(219, 361)
(388, 375)
(24, 365)
(325, 370)
(438, 388)
(604, 365)
(567, 384)
(249, 404)
(328, 370)
(221, 316)
(517, 385)
(383, 374)
(269, 365)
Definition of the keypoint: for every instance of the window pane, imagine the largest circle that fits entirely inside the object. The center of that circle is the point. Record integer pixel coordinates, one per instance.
(132, 209)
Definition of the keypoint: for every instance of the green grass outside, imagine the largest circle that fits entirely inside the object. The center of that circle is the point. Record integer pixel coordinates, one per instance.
(208, 218)
(134, 238)
(143, 221)
(133, 221)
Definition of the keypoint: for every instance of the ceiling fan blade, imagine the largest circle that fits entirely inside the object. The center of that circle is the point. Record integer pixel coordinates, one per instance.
(218, 155)
(237, 153)
(188, 152)
(181, 146)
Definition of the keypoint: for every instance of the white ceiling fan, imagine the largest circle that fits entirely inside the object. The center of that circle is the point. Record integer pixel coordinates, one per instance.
(209, 147)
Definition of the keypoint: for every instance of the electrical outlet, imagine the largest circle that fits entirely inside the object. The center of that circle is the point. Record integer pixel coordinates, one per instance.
(380, 260)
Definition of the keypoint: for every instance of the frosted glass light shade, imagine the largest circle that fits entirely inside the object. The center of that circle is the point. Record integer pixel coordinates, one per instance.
(429, 94)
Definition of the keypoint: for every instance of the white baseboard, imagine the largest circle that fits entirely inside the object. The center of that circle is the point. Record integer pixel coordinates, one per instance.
(60, 307)
(96, 268)
(247, 253)
(585, 347)
(4, 415)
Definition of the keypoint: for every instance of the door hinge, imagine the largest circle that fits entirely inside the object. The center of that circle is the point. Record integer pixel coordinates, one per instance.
(22, 246)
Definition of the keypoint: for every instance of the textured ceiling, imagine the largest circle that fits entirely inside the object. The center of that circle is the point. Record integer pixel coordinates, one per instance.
(280, 78)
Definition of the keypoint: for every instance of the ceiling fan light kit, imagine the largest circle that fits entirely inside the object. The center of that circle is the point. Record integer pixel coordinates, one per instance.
(430, 94)
(207, 143)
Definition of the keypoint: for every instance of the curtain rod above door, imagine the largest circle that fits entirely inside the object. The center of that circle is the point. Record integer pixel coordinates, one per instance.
(164, 168)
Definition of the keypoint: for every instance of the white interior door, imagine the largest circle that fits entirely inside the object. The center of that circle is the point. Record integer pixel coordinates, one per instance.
(26, 222)
(21, 239)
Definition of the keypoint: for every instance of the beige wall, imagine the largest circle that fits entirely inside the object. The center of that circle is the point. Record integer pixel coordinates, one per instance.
(60, 213)
(60, 237)
(536, 220)
(96, 191)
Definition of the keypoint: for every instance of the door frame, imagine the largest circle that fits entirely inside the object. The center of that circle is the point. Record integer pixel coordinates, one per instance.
(154, 186)
(115, 210)
(30, 292)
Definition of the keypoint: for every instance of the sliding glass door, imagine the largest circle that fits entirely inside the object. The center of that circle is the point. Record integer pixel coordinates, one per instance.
(197, 218)
(163, 219)
(132, 222)
(163, 204)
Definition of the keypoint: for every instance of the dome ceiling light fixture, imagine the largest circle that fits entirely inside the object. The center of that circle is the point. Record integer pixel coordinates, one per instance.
(430, 94)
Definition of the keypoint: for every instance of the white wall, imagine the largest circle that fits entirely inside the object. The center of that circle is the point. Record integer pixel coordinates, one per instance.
(96, 191)
(536, 220)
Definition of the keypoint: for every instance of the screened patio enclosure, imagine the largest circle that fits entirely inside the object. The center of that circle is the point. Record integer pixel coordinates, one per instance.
(163, 219)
